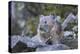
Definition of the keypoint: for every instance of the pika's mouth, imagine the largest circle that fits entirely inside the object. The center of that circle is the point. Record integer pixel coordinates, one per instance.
(44, 28)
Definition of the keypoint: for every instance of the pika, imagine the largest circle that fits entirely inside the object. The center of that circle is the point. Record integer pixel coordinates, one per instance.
(49, 29)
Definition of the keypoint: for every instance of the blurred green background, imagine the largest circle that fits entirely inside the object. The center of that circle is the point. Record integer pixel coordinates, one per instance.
(29, 13)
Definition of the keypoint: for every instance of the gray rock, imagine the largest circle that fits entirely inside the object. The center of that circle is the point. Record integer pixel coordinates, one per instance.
(53, 47)
(69, 19)
(69, 35)
(14, 40)
(75, 28)
(26, 40)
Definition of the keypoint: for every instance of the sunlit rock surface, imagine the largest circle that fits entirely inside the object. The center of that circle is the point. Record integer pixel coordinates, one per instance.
(52, 47)
(69, 19)
(26, 40)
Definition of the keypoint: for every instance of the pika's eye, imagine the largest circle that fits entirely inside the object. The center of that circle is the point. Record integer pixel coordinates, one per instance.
(45, 22)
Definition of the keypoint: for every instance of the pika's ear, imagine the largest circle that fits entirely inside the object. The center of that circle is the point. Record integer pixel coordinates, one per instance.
(58, 18)
(50, 15)
(41, 16)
